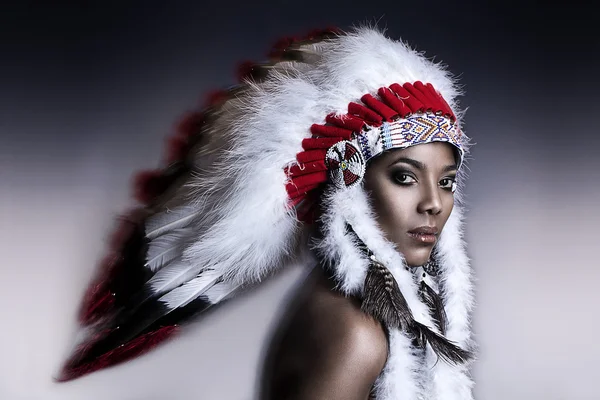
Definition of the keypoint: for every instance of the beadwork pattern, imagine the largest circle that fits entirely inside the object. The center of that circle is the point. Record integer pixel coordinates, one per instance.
(346, 164)
(418, 129)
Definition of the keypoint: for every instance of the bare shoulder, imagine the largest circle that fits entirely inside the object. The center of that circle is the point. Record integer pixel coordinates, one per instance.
(343, 328)
(325, 344)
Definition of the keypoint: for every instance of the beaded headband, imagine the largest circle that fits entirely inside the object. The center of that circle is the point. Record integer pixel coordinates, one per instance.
(403, 116)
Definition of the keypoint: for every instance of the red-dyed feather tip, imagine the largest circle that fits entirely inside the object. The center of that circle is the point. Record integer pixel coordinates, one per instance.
(148, 185)
(215, 98)
(122, 233)
(127, 351)
(101, 304)
(317, 34)
(98, 298)
(176, 149)
(245, 70)
(190, 124)
(125, 227)
(281, 46)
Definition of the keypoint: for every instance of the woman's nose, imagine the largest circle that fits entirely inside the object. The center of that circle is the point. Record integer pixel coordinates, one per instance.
(431, 201)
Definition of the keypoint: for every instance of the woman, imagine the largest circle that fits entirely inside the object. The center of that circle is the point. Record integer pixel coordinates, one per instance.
(329, 348)
(343, 151)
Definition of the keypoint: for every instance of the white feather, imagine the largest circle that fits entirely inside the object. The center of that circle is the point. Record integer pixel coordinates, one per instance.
(166, 248)
(220, 292)
(174, 274)
(191, 290)
(169, 220)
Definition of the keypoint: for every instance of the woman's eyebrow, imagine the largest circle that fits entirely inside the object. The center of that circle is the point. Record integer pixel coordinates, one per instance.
(410, 161)
(420, 166)
(449, 168)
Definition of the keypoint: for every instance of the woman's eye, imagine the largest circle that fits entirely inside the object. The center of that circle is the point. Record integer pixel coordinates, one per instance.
(404, 179)
(448, 184)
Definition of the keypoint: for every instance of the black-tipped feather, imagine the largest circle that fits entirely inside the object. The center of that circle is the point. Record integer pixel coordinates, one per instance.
(147, 319)
(436, 306)
(146, 311)
(445, 349)
(134, 274)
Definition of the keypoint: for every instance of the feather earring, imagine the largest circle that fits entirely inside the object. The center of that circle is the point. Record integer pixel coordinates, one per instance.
(383, 300)
(435, 305)
(431, 298)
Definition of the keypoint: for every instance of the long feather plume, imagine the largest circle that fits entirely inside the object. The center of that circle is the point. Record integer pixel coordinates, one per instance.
(436, 306)
(445, 349)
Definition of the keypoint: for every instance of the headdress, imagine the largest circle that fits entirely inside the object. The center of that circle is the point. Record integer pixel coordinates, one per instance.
(286, 148)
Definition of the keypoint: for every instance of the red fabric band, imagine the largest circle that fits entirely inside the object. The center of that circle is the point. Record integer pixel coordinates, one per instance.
(394, 102)
(330, 131)
(307, 168)
(369, 116)
(319, 143)
(350, 122)
(386, 112)
(311, 155)
(414, 104)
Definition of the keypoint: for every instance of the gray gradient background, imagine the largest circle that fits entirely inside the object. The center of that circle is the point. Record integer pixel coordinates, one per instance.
(88, 93)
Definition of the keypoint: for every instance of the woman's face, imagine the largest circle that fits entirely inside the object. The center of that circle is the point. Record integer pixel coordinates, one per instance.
(411, 193)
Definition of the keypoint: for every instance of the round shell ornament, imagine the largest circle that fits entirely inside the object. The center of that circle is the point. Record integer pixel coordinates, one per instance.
(346, 164)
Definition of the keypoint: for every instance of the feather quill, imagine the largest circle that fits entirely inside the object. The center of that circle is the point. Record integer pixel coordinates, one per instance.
(177, 272)
(191, 290)
(170, 220)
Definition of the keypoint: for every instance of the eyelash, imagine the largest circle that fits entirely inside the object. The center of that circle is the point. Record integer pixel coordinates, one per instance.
(397, 174)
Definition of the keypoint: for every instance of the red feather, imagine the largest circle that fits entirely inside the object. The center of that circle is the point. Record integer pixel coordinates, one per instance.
(176, 149)
(127, 351)
(317, 34)
(245, 70)
(190, 124)
(148, 185)
(281, 46)
(215, 98)
(96, 301)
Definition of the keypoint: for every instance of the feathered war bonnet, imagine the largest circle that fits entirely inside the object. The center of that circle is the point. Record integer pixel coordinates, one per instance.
(245, 183)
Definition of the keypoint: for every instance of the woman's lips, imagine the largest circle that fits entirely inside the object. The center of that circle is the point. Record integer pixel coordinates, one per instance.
(424, 234)
(423, 238)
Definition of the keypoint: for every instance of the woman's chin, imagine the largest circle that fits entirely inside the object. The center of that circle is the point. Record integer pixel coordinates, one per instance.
(416, 260)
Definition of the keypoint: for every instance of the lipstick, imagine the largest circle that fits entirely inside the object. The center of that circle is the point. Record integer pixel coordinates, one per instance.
(424, 234)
